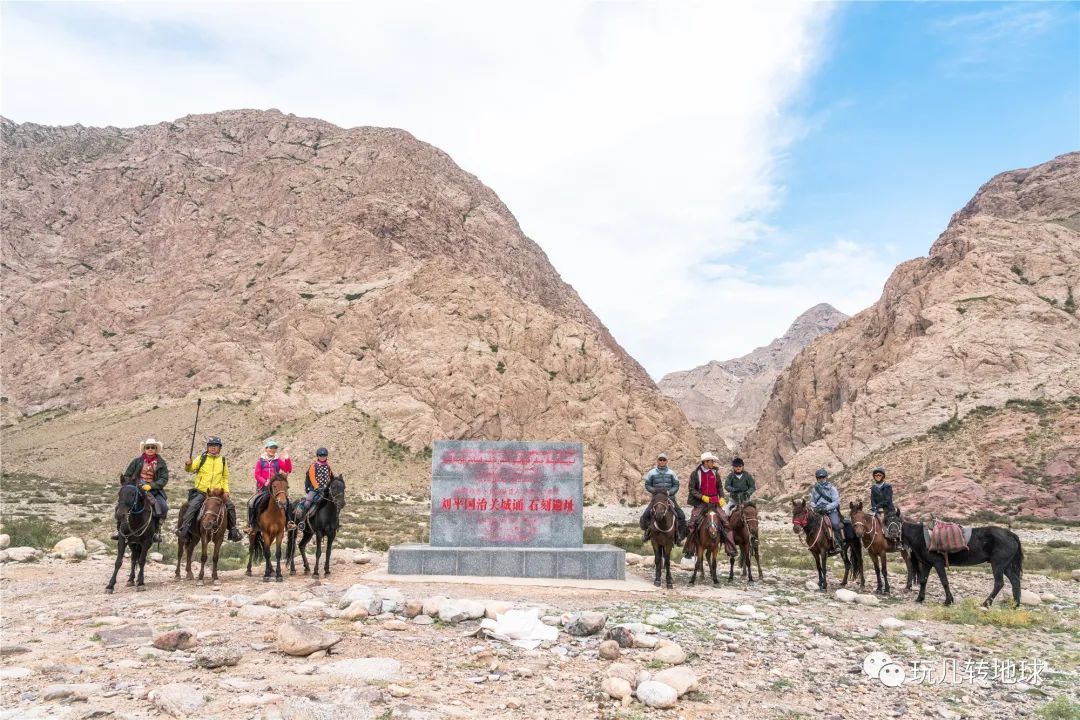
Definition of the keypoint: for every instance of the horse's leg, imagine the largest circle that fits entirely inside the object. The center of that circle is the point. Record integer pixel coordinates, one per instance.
(749, 566)
(712, 564)
(269, 570)
(318, 552)
(698, 563)
(999, 582)
(877, 571)
(304, 540)
(822, 571)
(1013, 573)
(120, 550)
(133, 564)
(330, 534)
(757, 558)
(202, 555)
(667, 563)
(179, 555)
(144, 551)
(923, 572)
(278, 577)
(885, 570)
(190, 555)
(909, 565)
(658, 563)
(251, 548)
(944, 577)
(731, 568)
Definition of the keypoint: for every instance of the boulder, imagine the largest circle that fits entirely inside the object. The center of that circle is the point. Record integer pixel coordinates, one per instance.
(180, 700)
(24, 554)
(5, 541)
(215, 657)
(180, 639)
(431, 605)
(845, 595)
(609, 650)
(70, 548)
(4, 557)
(811, 585)
(633, 559)
(357, 611)
(373, 669)
(585, 623)
(302, 639)
(745, 610)
(682, 679)
(494, 608)
(670, 654)
(370, 598)
(455, 611)
(657, 694)
(891, 623)
(156, 557)
(622, 670)
(1047, 597)
(616, 687)
(1027, 597)
(622, 635)
(95, 547)
(392, 600)
(413, 608)
(1076, 575)
(867, 599)
(361, 558)
(74, 692)
(645, 641)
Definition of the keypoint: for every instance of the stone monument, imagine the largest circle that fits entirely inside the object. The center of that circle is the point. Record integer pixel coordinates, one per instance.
(509, 509)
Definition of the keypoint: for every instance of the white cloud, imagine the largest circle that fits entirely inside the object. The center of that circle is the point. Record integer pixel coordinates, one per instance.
(637, 143)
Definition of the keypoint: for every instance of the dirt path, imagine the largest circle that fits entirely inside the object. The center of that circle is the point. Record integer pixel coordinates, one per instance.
(70, 651)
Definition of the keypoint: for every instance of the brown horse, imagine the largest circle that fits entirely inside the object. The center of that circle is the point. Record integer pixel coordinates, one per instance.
(664, 531)
(270, 528)
(817, 532)
(210, 527)
(707, 544)
(872, 534)
(744, 533)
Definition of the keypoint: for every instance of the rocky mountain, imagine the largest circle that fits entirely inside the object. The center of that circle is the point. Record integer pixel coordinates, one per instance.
(724, 398)
(344, 287)
(986, 324)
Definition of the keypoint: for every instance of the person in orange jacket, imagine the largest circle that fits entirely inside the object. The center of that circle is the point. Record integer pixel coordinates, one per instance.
(316, 480)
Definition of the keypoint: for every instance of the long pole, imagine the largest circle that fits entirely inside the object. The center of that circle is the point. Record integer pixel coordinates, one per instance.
(191, 452)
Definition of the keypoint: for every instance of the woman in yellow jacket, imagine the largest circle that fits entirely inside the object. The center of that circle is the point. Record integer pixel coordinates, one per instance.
(211, 473)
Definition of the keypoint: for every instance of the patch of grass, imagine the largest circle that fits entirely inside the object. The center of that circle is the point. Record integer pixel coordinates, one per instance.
(781, 685)
(191, 372)
(1060, 708)
(501, 367)
(494, 348)
(108, 333)
(307, 296)
(35, 532)
(969, 612)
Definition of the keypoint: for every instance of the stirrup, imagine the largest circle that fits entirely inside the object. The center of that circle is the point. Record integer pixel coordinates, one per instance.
(290, 525)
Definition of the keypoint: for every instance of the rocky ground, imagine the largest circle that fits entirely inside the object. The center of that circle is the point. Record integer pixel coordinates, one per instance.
(776, 649)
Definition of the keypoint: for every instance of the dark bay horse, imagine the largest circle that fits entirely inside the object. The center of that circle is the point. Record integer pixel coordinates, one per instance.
(817, 532)
(707, 544)
(744, 531)
(324, 521)
(663, 533)
(208, 527)
(270, 528)
(136, 526)
(872, 535)
(997, 546)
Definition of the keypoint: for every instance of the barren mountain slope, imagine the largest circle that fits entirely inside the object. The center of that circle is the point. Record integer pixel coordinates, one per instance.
(989, 317)
(300, 267)
(725, 397)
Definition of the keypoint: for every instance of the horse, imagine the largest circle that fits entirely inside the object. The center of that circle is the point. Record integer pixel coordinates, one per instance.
(136, 526)
(707, 543)
(664, 532)
(744, 533)
(872, 535)
(324, 521)
(212, 522)
(997, 546)
(817, 532)
(270, 527)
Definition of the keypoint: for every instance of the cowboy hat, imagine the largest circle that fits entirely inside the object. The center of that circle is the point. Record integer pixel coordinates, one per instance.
(708, 456)
(151, 441)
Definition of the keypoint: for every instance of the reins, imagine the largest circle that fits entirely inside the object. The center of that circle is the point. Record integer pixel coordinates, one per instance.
(131, 511)
(666, 502)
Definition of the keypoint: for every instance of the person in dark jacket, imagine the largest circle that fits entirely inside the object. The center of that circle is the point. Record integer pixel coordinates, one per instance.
(152, 472)
(881, 499)
(825, 500)
(704, 494)
(663, 478)
(316, 481)
(739, 485)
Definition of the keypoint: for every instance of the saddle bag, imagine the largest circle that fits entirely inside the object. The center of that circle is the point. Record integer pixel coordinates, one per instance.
(947, 538)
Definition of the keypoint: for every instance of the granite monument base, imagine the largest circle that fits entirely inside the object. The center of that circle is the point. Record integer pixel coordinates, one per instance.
(588, 562)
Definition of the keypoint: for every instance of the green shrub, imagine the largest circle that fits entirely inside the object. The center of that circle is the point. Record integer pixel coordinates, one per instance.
(33, 532)
(1060, 708)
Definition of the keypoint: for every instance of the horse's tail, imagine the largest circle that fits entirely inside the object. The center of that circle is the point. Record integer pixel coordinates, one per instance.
(259, 548)
(1017, 560)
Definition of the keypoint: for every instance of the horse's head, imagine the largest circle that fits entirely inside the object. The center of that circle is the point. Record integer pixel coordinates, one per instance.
(279, 489)
(855, 506)
(712, 524)
(215, 493)
(661, 505)
(800, 515)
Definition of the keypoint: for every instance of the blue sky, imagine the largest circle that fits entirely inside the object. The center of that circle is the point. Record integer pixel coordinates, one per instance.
(700, 172)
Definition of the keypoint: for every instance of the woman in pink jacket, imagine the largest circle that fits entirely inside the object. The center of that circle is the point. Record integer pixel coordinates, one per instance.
(268, 465)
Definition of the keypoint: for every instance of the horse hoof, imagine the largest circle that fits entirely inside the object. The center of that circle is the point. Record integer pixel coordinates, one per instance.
(216, 582)
(266, 579)
(140, 588)
(292, 572)
(670, 586)
(279, 579)
(656, 583)
(248, 573)
(130, 583)
(108, 591)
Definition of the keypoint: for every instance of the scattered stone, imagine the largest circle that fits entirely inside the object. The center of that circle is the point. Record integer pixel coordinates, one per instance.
(670, 654)
(1048, 597)
(178, 699)
(747, 610)
(455, 611)
(216, 657)
(623, 670)
(181, 639)
(4, 556)
(240, 600)
(423, 620)
(822, 642)
(374, 669)
(645, 641)
(356, 611)
(868, 599)
(585, 623)
(413, 608)
(156, 557)
(24, 554)
(361, 558)
(514, 703)
(431, 605)
(1076, 575)
(125, 634)
(13, 673)
(732, 624)
(845, 595)
(681, 679)
(9, 649)
(257, 612)
(642, 676)
(398, 691)
(392, 600)
(609, 650)
(657, 694)
(657, 619)
(70, 548)
(1027, 597)
(891, 623)
(366, 596)
(622, 635)
(811, 585)
(5, 541)
(633, 559)
(259, 700)
(616, 687)
(396, 625)
(95, 547)
(302, 639)
(72, 692)
(495, 608)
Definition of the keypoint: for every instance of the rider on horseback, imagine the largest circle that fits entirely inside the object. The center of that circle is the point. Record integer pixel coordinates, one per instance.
(740, 485)
(267, 466)
(316, 481)
(825, 500)
(153, 474)
(704, 495)
(881, 499)
(212, 473)
(663, 479)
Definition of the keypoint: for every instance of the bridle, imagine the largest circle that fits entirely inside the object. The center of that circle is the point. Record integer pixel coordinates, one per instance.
(216, 516)
(803, 521)
(126, 522)
(714, 520)
(665, 502)
(752, 529)
(281, 497)
(874, 525)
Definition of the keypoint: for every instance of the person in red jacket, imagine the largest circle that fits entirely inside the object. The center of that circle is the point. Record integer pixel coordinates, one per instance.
(268, 465)
(706, 493)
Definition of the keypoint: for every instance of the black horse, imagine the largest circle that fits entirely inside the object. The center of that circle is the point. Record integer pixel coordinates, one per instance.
(136, 526)
(323, 521)
(997, 546)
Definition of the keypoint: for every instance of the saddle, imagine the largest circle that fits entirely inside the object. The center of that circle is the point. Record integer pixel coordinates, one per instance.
(943, 537)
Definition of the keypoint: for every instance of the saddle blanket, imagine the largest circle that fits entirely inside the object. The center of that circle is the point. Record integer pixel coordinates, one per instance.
(947, 537)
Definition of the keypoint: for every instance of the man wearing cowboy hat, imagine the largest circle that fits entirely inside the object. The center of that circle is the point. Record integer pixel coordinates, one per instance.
(150, 470)
(705, 495)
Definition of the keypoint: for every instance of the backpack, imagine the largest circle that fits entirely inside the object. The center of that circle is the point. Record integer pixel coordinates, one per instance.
(224, 465)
